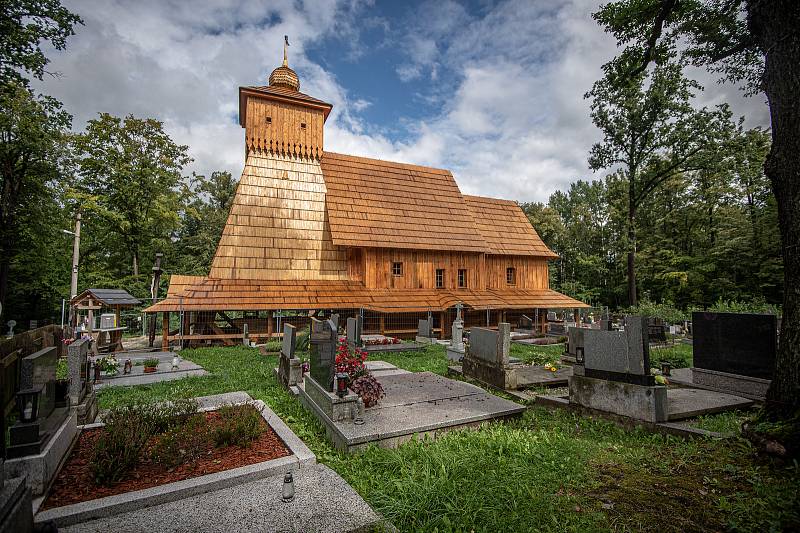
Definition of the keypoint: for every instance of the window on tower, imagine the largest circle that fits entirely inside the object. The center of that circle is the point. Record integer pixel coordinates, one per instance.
(462, 278)
(397, 268)
(439, 278)
(511, 276)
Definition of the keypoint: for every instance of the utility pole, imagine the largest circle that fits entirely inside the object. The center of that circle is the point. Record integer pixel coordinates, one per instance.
(76, 250)
(154, 296)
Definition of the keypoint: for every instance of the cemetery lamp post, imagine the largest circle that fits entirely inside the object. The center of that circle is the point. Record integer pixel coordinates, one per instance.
(76, 247)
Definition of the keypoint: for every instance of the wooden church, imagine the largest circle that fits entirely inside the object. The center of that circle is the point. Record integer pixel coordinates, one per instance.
(311, 232)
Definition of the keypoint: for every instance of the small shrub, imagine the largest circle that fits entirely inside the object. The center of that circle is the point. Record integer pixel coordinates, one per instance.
(152, 361)
(169, 415)
(182, 443)
(368, 389)
(119, 447)
(239, 424)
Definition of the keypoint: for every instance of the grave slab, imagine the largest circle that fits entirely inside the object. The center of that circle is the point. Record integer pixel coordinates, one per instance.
(688, 403)
(323, 502)
(422, 404)
(164, 371)
(738, 385)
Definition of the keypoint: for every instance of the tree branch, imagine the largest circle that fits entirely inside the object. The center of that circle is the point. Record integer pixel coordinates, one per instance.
(667, 6)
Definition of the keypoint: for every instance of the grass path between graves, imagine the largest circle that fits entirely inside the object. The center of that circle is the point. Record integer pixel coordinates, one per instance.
(547, 471)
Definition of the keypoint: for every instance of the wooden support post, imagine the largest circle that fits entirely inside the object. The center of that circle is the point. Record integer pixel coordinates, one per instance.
(165, 331)
(576, 314)
(382, 324)
(502, 317)
(269, 325)
(442, 323)
(543, 321)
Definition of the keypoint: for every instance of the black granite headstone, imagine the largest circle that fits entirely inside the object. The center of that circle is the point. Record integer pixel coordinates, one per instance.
(39, 370)
(736, 343)
(656, 331)
(323, 341)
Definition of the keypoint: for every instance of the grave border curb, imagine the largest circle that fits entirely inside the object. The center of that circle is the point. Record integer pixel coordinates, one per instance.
(117, 504)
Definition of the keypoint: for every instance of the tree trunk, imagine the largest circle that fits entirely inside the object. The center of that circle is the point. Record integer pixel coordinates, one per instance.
(632, 300)
(135, 264)
(774, 24)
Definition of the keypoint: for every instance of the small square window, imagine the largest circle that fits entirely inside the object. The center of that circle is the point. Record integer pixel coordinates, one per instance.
(302, 125)
(439, 278)
(462, 278)
(269, 120)
(397, 268)
(511, 276)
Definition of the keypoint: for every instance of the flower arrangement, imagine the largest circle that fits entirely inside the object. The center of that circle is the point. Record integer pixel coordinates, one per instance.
(384, 341)
(351, 362)
(368, 389)
(552, 367)
(108, 364)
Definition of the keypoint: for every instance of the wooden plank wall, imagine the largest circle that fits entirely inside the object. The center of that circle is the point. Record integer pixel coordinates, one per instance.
(419, 268)
(284, 134)
(532, 272)
(278, 227)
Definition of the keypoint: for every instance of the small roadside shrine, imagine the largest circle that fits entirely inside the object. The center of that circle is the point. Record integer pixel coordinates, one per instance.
(108, 333)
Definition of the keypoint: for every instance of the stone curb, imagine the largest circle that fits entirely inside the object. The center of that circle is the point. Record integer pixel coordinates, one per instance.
(140, 499)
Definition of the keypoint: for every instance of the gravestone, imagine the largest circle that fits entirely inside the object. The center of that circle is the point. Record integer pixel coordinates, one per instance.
(37, 372)
(425, 331)
(324, 336)
(656, 331)
(455, 352)
(736, 343)
(289, 371)
(11, 324)
(491, 346)
(354, 332)
(556, 328)
(574, 346)
(734, 352)
(526, 323)
(619, 355)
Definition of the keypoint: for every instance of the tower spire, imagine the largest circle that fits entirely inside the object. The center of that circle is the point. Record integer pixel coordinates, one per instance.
(285, 46)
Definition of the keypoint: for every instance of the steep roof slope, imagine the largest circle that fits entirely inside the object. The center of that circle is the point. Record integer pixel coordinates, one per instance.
(376, 203)
(505, 228)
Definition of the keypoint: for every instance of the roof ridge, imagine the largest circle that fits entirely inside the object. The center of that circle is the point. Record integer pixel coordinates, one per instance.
(397, 163)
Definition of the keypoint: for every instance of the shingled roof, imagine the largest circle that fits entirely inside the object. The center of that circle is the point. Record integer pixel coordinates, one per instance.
(374, 203)
(244, 295)
(505, 228)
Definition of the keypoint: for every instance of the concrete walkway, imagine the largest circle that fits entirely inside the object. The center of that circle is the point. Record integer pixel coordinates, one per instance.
(323, 502)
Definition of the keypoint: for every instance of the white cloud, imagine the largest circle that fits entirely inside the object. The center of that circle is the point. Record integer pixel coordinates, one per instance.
(508, 84)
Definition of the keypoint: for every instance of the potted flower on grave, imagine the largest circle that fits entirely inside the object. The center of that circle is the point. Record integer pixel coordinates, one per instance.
(108, 364)
(150, 365)
(351, 362)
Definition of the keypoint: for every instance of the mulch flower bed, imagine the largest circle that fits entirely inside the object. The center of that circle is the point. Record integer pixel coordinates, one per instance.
(74, 483)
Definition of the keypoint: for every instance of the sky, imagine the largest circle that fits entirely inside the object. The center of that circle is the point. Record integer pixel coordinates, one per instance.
(492, 91)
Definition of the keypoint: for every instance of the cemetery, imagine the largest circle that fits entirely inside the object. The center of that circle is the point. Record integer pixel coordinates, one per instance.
(260, 333)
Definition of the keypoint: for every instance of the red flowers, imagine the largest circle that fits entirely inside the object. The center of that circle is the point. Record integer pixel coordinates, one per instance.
(351, 363)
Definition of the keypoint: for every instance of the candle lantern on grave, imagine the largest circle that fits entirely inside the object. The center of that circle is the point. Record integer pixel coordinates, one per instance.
(287, 494)
(341, 384)
(128, 367)
(666, 368)
(28, 404)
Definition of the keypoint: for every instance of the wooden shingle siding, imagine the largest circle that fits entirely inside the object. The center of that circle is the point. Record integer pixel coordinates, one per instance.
(284, 134)
(277, 227)
(419, 268)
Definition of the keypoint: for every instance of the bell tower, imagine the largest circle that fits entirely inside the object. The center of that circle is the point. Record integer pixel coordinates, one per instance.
(279, 119)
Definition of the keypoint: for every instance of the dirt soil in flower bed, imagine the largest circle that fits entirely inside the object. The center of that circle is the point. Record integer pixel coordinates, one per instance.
(74, 483)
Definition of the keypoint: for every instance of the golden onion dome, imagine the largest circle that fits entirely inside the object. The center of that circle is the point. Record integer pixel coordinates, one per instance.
(283, 76)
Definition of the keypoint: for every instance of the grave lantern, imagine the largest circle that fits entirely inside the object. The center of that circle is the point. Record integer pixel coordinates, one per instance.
(341, 384)
(28, 405)
(579, 355)
(288, 488)
(128, 366)
(666, 367)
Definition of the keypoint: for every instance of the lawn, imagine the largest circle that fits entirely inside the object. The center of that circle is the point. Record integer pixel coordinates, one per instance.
(547, 471)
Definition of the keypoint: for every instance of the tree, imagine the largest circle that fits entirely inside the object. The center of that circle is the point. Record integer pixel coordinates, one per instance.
(32, 135)
(24, 24)
(652, 132)
(755, 42)
(204, 221)
(130, 179)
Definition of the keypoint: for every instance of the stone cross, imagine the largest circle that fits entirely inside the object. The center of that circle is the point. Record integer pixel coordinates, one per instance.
(458, 330)
(459, 307)
(11, 324)
(289, 370)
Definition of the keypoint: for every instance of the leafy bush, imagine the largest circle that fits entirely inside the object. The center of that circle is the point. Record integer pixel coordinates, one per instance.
(303, 340)
(182, 443)
(368, 389)
(171, 414)
(62, 371)
(665, 311)
(758, 305)
(239, 424)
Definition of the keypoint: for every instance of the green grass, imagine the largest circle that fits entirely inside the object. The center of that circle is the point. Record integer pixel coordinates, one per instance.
(537, 355)
(728, 422)
(547, 471)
